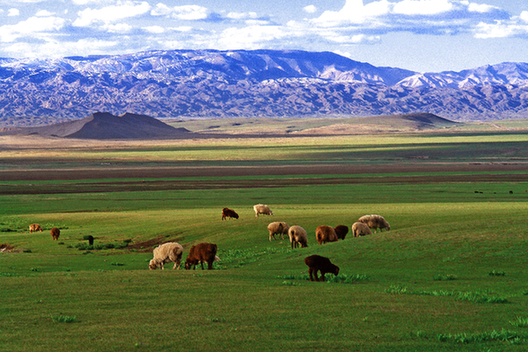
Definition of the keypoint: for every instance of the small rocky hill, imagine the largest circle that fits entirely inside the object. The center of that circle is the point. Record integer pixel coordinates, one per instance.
(102, 125)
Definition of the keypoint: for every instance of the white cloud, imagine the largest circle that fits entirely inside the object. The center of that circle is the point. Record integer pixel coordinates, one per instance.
(524, 16)
(117, 28)
(32, 27)
(185, 12)
(310, 9)
(44, 13)
(154, 29)
(242, 15)
(87, 2)
(481, 8)
(354, 11)
(13, 12)
(58, 49)
(251, 37)
(112, 13)
(423, 7)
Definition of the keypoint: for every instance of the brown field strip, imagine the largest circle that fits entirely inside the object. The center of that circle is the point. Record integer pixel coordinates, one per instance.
(156, 178)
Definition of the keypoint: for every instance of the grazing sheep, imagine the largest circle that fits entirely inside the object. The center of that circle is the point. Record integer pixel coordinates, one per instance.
(298, 236)
(318, 263)
(35, 228)
(55, 233)
(278, 228)
(262, 209)
(360, 229)
(201, 253)
(375, 222)
(325, 233)
(229, 213)
(167, 252)
(341, 231)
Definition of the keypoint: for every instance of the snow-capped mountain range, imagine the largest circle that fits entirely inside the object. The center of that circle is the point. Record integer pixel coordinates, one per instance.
(211, 83)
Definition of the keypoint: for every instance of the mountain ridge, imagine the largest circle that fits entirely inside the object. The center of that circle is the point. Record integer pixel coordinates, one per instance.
(245, 83)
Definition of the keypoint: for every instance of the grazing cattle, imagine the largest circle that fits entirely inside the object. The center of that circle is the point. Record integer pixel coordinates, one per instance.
(229, 213)
(341, 231)
(360, 229)
(375, 222)
(325, 233)
(318, 263)
(90, 240)
(167, 252)
(278, 228)
(55, 233)
(262, 209)
(201, 253)
(34, 228)
(298, 236)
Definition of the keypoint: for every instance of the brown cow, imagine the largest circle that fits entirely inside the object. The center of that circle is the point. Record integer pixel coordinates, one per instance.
(200, 253)
(229, 213)
(55, 233)
(318, 263)
(35, 228)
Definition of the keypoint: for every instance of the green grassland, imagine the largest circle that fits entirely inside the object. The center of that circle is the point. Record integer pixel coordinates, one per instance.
(449, 275)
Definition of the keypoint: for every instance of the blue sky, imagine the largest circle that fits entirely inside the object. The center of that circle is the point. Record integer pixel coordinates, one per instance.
(420, 35)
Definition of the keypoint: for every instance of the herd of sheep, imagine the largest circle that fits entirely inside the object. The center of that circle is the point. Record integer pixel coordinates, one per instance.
(206, 252)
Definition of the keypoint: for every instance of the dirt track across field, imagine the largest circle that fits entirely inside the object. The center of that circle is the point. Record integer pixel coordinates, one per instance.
(170, 178)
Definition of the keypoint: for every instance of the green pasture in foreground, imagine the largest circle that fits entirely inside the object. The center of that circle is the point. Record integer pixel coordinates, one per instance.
(450, 275)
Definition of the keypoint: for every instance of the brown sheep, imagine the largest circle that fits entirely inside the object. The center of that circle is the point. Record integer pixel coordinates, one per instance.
(298, 236)
(360, 229)
(34, 228)
(325, 234)
(167, 252)
(278, 228)
(318, 263)
(200, 253)
(262, 209)
(55, 233)
(375, 222)
(341, 231)
(229, 213)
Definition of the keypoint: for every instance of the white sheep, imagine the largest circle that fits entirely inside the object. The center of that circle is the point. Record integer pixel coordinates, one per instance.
(360, 229)
(277, 228)
(167, 252)
(375, 222)
(262, 209)
(298, 236)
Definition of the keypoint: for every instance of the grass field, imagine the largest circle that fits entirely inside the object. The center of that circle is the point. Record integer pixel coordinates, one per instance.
(450, 275)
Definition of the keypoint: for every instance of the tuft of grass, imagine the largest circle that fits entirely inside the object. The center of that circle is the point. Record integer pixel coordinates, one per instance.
(447, 277)
(346, 279)
(465, 338)
(496, 273)
(63, 319)
(290, 283)
(520, 322)
(217, 320)
(331, 279)
(475, 297)
(396, 289)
